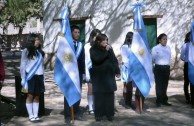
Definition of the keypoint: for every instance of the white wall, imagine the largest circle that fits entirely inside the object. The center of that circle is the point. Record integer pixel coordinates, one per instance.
(110, 16)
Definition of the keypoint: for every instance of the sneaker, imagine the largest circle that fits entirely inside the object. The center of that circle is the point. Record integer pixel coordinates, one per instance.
(37, 118)
(32, 119)
(166, 104)
(91, 112)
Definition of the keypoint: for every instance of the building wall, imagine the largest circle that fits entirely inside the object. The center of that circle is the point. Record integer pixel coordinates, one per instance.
(110, 16)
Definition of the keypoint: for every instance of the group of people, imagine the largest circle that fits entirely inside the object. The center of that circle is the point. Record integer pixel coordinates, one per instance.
(98, 65)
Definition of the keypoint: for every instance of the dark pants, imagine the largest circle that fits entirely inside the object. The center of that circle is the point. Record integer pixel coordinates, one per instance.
(192, 94)
(127, 93)
(104, 104)
(76, 106)
(186, 82)
(161, 73)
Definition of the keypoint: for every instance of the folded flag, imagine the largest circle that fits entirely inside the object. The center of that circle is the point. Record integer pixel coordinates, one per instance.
(66, 72)
(140, 63)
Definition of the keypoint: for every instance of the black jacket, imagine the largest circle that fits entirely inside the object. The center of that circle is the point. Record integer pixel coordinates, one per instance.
(104, 68)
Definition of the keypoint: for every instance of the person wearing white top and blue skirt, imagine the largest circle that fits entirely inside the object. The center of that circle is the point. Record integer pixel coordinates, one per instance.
(184, 57)
(32, 75)
(125, 77)
(161, 55)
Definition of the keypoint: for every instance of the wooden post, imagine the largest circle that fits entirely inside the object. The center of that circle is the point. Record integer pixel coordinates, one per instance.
(140, 106)
(72, 115)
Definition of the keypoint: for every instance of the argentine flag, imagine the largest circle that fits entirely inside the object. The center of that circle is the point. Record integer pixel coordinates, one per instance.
(191, 56)
(140, 60)
(66, 69)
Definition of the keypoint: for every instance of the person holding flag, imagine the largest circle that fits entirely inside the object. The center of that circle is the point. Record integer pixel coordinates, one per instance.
(191, 64)
(32, 74)
(66, 72)
(80, 55)
(140, 63)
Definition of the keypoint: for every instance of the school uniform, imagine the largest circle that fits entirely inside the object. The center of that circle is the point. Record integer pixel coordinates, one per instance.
(32, 74)
(184, 57)
(36, 83)
(125, 77)
(80, 55)
(161, 56)
(127, 80)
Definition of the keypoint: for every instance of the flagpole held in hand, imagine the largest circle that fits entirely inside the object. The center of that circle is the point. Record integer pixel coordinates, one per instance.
(140, 102)
(72, 115)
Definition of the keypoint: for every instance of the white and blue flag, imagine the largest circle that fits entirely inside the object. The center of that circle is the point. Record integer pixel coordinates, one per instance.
(140, 60)
(66, 72)
(191, 56)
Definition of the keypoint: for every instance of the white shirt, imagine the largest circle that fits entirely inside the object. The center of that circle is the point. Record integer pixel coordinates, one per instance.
(185, 52)
(26, 65)
(161, 55)
(125, 50)
(87, 60)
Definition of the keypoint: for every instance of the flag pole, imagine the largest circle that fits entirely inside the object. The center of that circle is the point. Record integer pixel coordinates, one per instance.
(72, 115)
(140, 101)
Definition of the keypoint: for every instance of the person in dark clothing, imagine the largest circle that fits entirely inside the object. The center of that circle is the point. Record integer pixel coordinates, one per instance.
(184, 57)
(2, 71)
(80, 55)
(104, 69)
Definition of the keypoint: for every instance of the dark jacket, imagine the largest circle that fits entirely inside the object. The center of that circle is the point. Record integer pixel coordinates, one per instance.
(103, 71)
(81, 63)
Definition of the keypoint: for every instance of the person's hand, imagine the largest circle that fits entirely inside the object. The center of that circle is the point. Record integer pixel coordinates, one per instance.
(108, 47)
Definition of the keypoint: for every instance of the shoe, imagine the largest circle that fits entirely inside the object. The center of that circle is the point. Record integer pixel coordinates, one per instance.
(91, 112)
(68, 120)
(166, 104)
(188, 102)
(37, 118)
(110, 118)
(158, 105)
(80, 117)
(98, 119)
(132, 106)
(32, 119)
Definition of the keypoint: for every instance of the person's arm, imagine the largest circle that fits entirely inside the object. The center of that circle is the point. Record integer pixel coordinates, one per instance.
(153, 52)
(117, 69)
(98, 55)
(182, 56)
(23, 65)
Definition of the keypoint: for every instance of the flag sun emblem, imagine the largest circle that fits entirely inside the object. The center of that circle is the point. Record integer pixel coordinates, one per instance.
(141, 51)
(68, 57)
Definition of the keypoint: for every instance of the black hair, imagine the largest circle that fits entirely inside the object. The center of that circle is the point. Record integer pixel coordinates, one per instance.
(187, 37)
(100, 38)
(160, 37)
(73, 27)
(32, 50)
(128, 38)
(92, 35)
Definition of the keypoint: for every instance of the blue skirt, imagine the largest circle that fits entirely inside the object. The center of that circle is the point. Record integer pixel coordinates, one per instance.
(36, 84)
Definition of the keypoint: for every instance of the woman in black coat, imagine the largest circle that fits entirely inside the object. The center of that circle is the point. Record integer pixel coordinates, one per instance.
(103, 71)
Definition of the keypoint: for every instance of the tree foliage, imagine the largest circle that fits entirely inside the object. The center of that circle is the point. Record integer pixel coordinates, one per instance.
(17, 12)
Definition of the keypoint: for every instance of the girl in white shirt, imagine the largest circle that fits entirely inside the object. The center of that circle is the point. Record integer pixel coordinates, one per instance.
(32, 71)
(125, 77)
(161, 55)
